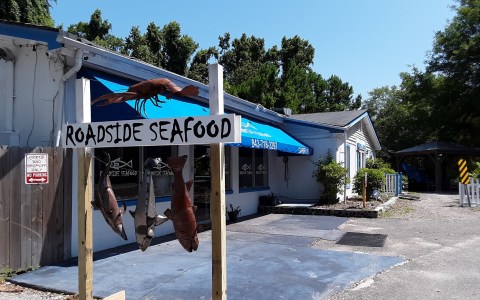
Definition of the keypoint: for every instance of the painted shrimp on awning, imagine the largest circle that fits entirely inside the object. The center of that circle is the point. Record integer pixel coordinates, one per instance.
(148, 90)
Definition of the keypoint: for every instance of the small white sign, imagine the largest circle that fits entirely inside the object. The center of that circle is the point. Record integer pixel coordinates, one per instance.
(153, 132)
(36, 168)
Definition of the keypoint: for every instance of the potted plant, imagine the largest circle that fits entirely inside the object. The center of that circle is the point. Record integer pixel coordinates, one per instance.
(233, 213)
(269, 200)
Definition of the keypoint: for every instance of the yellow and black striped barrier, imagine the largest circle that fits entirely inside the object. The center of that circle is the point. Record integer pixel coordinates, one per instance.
(464, 175)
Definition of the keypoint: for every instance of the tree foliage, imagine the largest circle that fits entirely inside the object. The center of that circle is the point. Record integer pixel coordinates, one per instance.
(275, 77)
(27, 11)
(281, 77)
(166, 48)
(97, 30)
(442, 102)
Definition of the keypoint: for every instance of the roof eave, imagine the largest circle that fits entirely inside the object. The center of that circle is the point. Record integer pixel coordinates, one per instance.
(105, 60)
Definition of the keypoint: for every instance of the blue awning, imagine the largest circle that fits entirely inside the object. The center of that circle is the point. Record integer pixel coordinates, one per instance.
(255, 134)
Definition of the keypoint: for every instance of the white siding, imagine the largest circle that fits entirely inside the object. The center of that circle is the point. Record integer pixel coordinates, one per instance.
(37, 82)
(357, 135)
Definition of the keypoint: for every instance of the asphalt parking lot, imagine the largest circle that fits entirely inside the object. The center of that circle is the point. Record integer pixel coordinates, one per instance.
(440, 242)
(269, 257)
(431, 252)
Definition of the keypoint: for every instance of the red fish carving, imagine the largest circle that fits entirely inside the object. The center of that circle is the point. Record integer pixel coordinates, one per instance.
(107, 203)
(182, 212)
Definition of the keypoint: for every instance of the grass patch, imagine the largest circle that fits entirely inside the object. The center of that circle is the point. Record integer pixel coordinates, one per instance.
(8, 273)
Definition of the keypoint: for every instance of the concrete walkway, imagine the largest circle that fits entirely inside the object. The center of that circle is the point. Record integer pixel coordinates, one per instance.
(269, 257)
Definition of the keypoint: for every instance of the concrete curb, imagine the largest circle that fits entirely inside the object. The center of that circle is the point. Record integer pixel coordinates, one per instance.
(306, 210)
(386, 205)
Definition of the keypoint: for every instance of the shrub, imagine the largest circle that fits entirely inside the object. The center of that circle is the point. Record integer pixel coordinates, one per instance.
(379, 164)
(375, 180)
(476, 171)
(376, 163)
(333, 176)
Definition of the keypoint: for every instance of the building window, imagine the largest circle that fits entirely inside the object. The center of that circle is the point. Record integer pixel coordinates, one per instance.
(126, 166)
(347, 162)
(360, 159)
(361, 155)
(253, 168)
(162, 175)
(124, 170)
(228, 175)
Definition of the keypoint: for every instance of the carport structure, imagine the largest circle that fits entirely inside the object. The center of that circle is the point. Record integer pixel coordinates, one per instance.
(437, 151)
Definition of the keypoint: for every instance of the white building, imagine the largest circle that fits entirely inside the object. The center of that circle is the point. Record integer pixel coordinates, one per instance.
(39, 68)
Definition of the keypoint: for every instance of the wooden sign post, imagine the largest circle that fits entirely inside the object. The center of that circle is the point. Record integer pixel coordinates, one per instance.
(84, 196)
(217, 194)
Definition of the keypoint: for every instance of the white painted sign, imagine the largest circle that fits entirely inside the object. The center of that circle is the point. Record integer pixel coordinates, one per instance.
(36, 168)
(153, 132)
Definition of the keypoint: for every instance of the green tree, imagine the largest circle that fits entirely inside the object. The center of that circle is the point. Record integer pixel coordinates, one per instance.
(339, 95)
(378, 99)
(136, 46)
(27, 11)
(97, 30)
(296, 52)
(166, 48)
(199, 67)
(154, 40)
(240, 57)
(455, 58)
(177, 49)
(251, 72)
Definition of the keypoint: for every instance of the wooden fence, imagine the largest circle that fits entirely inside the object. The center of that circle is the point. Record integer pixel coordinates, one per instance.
(469, 193)
(35, 219)
(393, 184)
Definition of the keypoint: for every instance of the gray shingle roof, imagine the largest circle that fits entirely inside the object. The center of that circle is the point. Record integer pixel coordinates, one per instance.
(335, 118)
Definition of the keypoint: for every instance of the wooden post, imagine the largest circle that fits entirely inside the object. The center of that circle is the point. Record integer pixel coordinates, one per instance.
(84, 196)
(217, 194)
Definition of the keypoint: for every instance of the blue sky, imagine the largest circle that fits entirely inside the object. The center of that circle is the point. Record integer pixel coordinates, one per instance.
(367, 43)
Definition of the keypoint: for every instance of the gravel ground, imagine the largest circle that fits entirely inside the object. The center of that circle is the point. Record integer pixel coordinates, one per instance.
(10, 291)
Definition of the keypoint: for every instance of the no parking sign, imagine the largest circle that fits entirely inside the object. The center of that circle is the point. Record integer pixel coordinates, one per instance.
(36, 168)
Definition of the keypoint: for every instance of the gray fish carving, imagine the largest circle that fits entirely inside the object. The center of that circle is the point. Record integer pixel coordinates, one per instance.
(107, 203)
(145, 214)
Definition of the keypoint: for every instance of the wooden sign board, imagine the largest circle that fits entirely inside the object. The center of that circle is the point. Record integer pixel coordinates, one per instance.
(153, 132)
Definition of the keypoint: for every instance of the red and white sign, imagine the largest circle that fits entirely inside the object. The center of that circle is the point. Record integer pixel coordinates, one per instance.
(36, 168)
